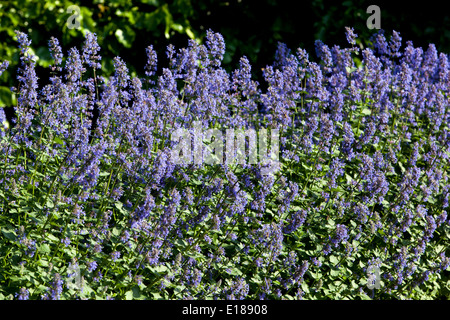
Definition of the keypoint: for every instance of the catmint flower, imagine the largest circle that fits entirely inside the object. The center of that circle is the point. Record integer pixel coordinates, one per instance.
(23, 294)
(421, 211)
(241, 78)
(327, 128)
(196, 277)
(302, 55)
(121, 73)
(91, 266)
(290, 260)
(90, 51)
(394, 44)
(54, 292)
(28, 80)
(426, 275)
(444, 73)
(152, 61)
(310, 129)
(445, 261)
(296, 220)
(380, 43)
(324, 53)
(404, 92)
(300, 272)
(372, 63)
(281, 55)
(401, 259)
(66, 241)
(238, 290)
(258, 262)
(207, 239)
(216, 47)
(29, 244)
(98, 276)
(336, 170)
(73, 66)
(122, 80)
(419, 249)
(441, 218)
(429, 67)
(115, 255)
(24, 43)
(341, 235)
(350, 35)
(267, 286)
(271, 237)
(326, 249)
(348, 140)
(3, 66)
(430, 227)
(55, 51)
(362, 212)
(412, 56)
(138, 279)
(316, 261)
(239, 203)
(407, 219)
(315, 84)
(299, 294)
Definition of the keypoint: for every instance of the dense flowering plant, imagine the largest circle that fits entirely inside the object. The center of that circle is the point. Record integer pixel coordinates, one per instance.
(94, 207)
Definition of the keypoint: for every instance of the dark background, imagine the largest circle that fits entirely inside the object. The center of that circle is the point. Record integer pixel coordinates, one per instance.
(250, 27)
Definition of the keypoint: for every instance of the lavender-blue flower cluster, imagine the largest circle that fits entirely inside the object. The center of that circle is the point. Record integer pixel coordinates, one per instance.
(363, 182)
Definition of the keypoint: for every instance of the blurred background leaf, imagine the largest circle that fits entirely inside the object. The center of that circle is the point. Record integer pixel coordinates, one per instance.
(250, 27)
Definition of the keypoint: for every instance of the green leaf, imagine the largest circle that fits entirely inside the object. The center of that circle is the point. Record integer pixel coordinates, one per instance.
(349, 178)
(178, 27)
(121, 38)
(366, 111)
(129, 295)
(125, 37)
(5, 96)
(50, 203)
(195, 181)
(58, 140)
(157, 296)
(43, 263)
(190, 33)
(52, 237)
(150, 2)
(44, 248)
(334, 260)
(9, 234)
(365, 297)
(305, 287)
(45, 59)
(334, 272)
(350, 70)
(401, 166)
(116, 231)
(331, 222)
(118, 205)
